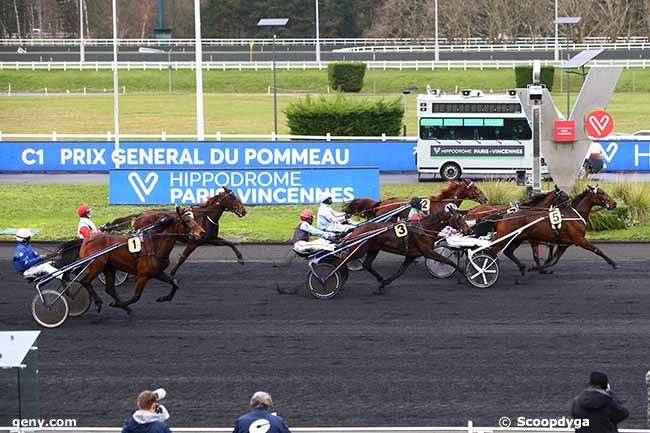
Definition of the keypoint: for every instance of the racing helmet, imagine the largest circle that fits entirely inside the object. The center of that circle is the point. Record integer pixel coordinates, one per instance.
(23, 235)
(451, 207)
(306, 215)
(83, 210)
(416, 203)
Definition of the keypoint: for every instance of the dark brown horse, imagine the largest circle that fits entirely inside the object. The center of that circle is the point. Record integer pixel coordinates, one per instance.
(455, 192)
(572, 231)
(156, 242)
(418, 242)
(207, 215)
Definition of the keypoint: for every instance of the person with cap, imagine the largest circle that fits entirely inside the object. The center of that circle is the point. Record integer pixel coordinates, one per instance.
(305, 230)
(599, 405)
(330, 219)
(26, 259)
(416, 213)
(86, 226)
(260, 419)
(150, 415)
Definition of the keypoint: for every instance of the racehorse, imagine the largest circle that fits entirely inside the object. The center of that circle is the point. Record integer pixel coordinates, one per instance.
(455, 192)
(207, 215)
(156, 241)
(571, 232)
(418, 242)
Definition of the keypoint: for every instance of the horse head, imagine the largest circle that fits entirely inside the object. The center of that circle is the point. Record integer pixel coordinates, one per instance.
(600, 198)
(229, 201)
(467, 189)
(191, 227)
(456, 219)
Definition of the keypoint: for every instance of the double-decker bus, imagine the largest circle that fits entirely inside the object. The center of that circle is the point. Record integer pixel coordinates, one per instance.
(472, 133)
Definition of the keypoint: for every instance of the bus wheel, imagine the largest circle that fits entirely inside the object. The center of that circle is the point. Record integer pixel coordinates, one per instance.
(450, 171)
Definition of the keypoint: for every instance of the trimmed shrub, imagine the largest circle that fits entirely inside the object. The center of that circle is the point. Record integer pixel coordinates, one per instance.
(524, 75)
(501, 191)
(615, 219)
(346, 76)
(345, 117)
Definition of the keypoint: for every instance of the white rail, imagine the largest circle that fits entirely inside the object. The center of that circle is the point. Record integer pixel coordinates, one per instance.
(303, 65)
(218, 136)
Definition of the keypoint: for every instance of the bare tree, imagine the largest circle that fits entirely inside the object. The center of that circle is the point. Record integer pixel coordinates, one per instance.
(17, 21)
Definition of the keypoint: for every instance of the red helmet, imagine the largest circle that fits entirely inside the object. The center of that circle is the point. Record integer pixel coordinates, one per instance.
(306, 214)
(83, 209)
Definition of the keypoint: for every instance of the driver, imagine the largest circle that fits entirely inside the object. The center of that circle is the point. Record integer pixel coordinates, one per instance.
(330, 219)
(86, 226)
(303, 232)
(27, 261)
(416, 213)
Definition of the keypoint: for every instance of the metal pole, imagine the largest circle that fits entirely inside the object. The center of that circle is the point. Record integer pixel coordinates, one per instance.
(568, 79)
(557, 43)
(82, 50)
(200, 128)
(537, 162)
(116, 93)
(317, 36)
(437, 55)
(169, 69)
(275, 94)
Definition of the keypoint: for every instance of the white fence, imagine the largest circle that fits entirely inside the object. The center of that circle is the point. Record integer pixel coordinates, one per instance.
(303, 65)
(218, 136)
(523, 44)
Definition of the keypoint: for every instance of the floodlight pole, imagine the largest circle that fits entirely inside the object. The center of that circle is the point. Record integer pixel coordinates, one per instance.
(557, 29)
(82, 49)
(437, 48)
(568, 78)
(275, 93)
(200, 128)
(116, 92)
(317, 36)
(169, 69)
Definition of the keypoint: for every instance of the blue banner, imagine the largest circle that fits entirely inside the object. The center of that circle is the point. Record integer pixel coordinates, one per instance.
(139, 155)
(625, 155)
(256, 186)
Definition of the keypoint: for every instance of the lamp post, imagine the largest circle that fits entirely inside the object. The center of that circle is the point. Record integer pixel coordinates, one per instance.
(318, 36)
(148, 50)
(557, 42)
(116, 93)
(568, 20)
(274, 22)
(198, 59)
(437, 48)
(82, 49)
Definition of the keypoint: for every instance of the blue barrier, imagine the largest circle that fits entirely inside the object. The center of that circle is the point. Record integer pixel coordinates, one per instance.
(253, 186)
(138, 155)
(625, 155)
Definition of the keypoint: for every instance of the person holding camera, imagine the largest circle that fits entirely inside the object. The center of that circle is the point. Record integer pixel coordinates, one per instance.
(260, 419)
(150, 416)
(599, 405)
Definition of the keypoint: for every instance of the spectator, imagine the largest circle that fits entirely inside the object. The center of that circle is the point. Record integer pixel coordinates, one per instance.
(260, 419)
(150, 416)
(599, 405)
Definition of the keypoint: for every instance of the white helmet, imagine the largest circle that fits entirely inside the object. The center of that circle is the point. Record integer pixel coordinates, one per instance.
(23, 234)
(451, 207)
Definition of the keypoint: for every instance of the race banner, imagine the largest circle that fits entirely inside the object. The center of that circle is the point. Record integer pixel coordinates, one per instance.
(139, 155)
(252, 186)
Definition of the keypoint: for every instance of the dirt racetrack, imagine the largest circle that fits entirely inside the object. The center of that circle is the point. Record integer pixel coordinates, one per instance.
(429, 352)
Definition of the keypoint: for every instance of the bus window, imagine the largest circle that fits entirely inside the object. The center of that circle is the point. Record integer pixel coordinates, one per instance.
(475, 129)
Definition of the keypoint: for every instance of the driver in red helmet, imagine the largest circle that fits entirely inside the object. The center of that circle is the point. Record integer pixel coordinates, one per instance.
(86, 226)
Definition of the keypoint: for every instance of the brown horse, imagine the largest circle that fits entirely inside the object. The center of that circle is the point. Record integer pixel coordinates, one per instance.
(455, 192)
(572, 231)
(207, 215)
(418, 242)
(157, 242)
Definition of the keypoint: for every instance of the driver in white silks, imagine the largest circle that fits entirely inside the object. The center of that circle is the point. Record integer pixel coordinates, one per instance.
(331, 220)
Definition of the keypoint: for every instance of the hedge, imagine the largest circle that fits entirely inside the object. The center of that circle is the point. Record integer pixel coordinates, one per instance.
(346, 76)
(341, 116)
(524, 76)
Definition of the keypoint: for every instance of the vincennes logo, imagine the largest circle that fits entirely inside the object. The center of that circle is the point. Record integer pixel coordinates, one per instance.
(611, 150)
(437, 149)
(143, 187)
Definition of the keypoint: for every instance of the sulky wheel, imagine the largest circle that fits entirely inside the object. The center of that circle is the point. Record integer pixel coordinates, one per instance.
(355, 265)
(77, 297)
(439, 269)
(324, 289)
(482, 270)
(120, 278)
(50, 311)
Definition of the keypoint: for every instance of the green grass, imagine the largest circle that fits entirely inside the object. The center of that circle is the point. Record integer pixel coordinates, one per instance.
(52, 209)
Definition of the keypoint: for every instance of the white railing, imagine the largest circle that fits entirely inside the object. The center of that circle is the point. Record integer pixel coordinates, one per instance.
(218, 136)
(634, 42)
(469, 428)
(304, 65)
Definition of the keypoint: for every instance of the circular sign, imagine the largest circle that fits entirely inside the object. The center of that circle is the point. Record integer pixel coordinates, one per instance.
(599, 124)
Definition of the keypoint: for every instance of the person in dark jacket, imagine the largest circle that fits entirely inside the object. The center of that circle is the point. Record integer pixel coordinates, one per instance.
(599, 405)
(150, 416)
(260, 419)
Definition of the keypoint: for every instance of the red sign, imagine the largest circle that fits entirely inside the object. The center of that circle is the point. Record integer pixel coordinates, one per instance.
(564, 130)
(599, 124)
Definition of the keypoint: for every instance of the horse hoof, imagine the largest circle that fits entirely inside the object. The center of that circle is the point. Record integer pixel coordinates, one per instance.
(378, 292)
(614, 265)
(164, 299)
(128, 310)
(98, 306)
(241, 261)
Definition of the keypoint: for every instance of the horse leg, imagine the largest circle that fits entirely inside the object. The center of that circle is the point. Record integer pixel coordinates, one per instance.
(552, 260)
(224, 243)
(140, 282)
(189, 249)
(509, 252)
(109, 274)
(86, 281)
(535, 247)
(403, 267)
(367, 265)
(167, 279)
(584, 243)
